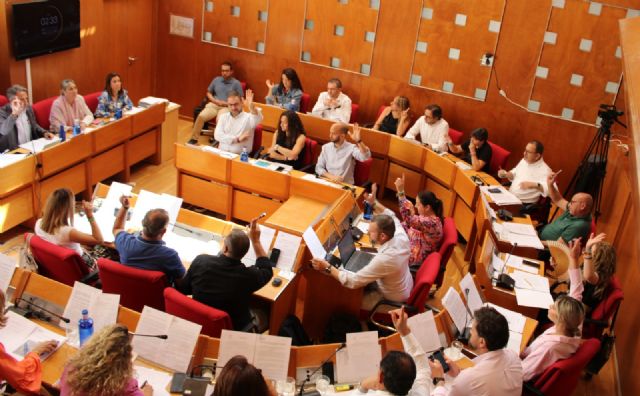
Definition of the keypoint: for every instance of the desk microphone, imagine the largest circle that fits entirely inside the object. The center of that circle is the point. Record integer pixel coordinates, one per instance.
(301, 393)
(28, 313)
(161, 336)
(466, 331)
(504, 280)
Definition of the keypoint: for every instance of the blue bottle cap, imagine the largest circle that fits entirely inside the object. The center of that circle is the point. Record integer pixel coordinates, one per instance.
(85, 312)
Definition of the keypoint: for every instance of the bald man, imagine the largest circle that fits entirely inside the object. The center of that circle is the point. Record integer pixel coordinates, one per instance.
(575, 222)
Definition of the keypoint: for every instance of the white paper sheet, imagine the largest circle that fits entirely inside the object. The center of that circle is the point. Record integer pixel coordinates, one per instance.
(234, 343)
(504, 197)
(189, 248)
(532, 298)
(519, 229)
(515, 340)
(8, 159)
(313, 178)
(516, 262)
(36, 146)
(313, 243)
(272, 355)
(424, 328)
(159, 380)
(82, 297)
(105, 310)
(172, 205)
(145, 202)
(266, 237)
(360, 359)
(20, 335)
(7, 268)
(474, 300)
(289, 245)
(529, 281)
(516, 320)
(452, 302)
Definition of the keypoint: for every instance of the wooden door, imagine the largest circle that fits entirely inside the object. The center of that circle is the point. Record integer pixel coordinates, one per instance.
(140, 28)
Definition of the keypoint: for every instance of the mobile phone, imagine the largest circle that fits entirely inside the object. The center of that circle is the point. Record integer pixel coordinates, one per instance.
(494, 190)
(531, 263)
(438, 355)
(275, 255)
(280, 169)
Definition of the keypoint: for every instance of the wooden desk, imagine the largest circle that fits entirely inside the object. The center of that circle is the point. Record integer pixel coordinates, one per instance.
(297, 214)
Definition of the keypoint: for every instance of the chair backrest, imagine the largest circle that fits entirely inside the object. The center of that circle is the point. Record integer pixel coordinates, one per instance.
(92, 100)
(42, 109)
(605, 310)
(362, 171)
(3, 100)
(257, 139)
(56, 262)
(449, 241)
(499, 157)
(244, 87)
(213, 320)
(455, 135)
(561, 378)
(380, 110)
(424, 279)
(136, 287)
(305, 102)
(310, 149)
(354, 113)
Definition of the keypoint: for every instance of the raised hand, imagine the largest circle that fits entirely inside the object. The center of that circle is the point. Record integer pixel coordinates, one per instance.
(400, 183)
(399, 318)
(249, 98)
(404, 114)
(270, 85)
(254, 230)
(355, 134)
(594, 239)
(17, 107)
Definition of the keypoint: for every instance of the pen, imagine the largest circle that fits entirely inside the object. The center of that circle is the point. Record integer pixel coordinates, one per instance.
(144, 384)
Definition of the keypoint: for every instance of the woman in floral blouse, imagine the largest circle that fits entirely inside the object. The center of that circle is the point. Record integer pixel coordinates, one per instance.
(112, 97)
(424, 227)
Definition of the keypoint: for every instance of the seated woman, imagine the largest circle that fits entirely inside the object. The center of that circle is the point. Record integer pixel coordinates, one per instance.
(113, 97)
(288, 141)
(394, 118)
(25, 376)
(56, 224)
(424, 228)
(68, 107)
(239, 377)
(288, 93)
(103, 367)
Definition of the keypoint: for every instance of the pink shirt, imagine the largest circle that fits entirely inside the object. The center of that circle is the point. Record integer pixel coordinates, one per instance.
(63, 113)
(130, 389)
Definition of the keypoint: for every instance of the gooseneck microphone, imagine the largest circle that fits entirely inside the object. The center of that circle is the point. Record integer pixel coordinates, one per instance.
(339, 348)
(161, 336)
(41, 308)
(504, 280)
(466, 331)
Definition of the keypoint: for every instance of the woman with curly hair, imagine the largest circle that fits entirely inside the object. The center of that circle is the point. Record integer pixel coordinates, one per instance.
(288, 141)
(103, 367)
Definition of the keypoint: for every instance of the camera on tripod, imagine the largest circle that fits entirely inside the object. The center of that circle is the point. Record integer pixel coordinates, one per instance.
(609, 112)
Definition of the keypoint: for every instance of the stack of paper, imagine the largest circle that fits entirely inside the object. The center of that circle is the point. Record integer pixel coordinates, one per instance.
(521, 234)
(532, 290)
(36, 146)
(268, 353)
(102, 307)
(21, 335)
(520, 263)
(500, 195)
(223, 154)
(8, 159)
(159, 380)
(320, 180)
(189, 248)
(7, 268)
(360, 359)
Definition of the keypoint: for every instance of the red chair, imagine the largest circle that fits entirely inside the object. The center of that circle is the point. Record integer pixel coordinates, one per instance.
(136, 287)
(499, 157)
(416, 302)
(310, 155)
(257, 146)
(455, 135)
(213, 320)
(354, 113)
(42, 109)
(561, 378)
(380, 110)
(362, 171)
(594, 325)
(305, 102)
(92, 100)
(58, 263)
(449, 241)
(3, 100)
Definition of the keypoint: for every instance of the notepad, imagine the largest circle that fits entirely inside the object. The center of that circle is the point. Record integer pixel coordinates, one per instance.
(268, 353)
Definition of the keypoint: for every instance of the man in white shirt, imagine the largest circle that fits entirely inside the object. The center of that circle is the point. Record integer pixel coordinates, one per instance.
(497, 371)
(338, 158)
(333, 104)
(401, 373)
(529, 177)
(234, 129)
(433, 129)
(389, 269)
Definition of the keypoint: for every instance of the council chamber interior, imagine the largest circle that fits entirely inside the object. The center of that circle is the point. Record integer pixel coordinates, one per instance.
(523, 70)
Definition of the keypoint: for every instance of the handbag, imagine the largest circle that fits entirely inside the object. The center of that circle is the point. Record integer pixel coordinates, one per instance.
(25, 257)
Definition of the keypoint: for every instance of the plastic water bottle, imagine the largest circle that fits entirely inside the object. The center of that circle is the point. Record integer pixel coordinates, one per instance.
(85, 327)
(76, 127)
(118, 114)
(368, 211)
(63, 133)
(244, 157)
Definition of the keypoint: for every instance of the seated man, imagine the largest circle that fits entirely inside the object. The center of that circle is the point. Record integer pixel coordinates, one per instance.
(401, 373)
(235, 128)
(389, 269)
(497, 371)
(147, 250)
(476, 151)
(333, 104)
(224, 282)
(18, 122)
(217, 93)
(529, 177)
(338, 158)
(433, 129)
(575, 222)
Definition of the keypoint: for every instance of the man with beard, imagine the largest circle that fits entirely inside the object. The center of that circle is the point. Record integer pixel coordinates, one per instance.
(338, 157)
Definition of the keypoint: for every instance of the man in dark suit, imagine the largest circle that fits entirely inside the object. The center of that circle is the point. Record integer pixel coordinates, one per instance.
(18, 122)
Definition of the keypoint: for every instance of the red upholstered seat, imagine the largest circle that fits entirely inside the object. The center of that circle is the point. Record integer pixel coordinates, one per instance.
(310, 155)
(362, 171)
(380, 110)
(449, 241)
(42, 109)
(92, 100)
(455, 135)
(354, 113)
(213, 320)
(56, 262)
(499, 157)
(257, 139)
(3, 100)
(136, 287)
(602, 313)
(561, 378)
(305, 102)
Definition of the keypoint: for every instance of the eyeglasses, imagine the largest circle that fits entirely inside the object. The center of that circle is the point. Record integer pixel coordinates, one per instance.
(226, 70)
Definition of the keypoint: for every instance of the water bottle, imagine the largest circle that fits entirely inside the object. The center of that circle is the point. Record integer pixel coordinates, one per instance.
(85, 327)
(63, 133)
(244, 157)
(76, 127)
(368, 211)
(118, 114)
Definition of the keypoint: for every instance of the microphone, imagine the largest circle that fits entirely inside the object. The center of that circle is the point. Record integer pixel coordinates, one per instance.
(161, 336)
(466, 332)
(335, 226)
(504, 280)
(30, 312)
(342, 346)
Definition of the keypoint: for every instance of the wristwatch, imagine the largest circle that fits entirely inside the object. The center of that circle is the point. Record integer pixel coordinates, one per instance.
(436, 380)
(328, 269)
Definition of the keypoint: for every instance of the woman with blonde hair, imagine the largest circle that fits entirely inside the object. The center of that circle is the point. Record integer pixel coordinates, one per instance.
(599, 267)
(56, 224)
(395, 118)
(103, 367)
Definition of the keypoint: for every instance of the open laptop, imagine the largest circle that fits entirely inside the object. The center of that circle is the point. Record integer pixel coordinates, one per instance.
(352, 259)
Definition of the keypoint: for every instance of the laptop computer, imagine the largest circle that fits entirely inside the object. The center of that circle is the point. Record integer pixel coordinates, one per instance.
(352, 259)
